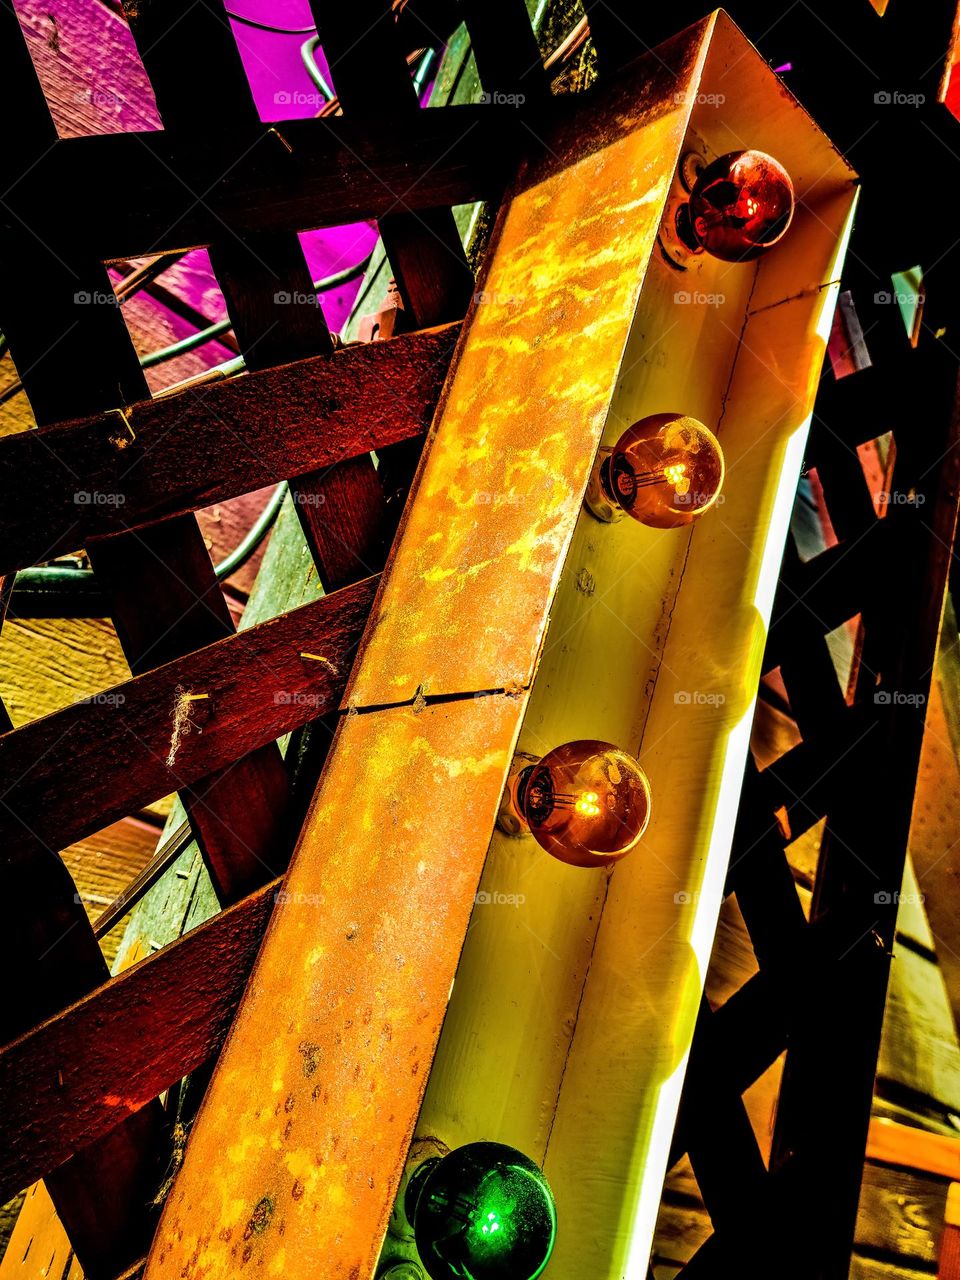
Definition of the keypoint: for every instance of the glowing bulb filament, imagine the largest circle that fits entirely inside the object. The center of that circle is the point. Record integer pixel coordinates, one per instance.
(586, 804)
(674, 473)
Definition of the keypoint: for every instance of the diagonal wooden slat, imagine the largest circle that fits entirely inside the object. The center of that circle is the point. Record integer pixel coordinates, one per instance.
(293, 175)
(211, 443)
(618, 31)
(264, 278)
(175, 726)
(427, 258)
(830, 588)
(65, 1084)
(506, 50)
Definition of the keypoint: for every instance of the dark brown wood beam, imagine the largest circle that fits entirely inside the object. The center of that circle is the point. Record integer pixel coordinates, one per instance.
(372, 80)
(210, 443)
(68, 1082)
(264, 279)
(505, 47)
(827, 590)
(181, 192)
(176, 726)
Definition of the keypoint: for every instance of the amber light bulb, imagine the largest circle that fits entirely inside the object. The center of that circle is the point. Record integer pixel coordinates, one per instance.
(664, 472)
(740, 206)
(587, 803)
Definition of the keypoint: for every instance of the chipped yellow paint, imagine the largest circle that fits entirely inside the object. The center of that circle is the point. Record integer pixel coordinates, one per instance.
(349, 1033)
(502, 484)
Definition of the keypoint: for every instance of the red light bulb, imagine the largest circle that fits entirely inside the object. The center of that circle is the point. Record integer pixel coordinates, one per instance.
(664, 471)
(587, 803)
(740, 206)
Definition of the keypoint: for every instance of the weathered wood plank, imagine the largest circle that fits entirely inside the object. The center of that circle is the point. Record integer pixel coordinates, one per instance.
(900, 1215)
(211, 443)
(506, 50)
(75, 356)
(70, 1081)
(265, 281)
(148, 739)
(294, 175)
(426, 255)
(103, 864)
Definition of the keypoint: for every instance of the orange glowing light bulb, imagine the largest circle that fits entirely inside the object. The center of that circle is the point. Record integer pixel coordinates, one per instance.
(587, 803)
(664, 472)
(741, 205)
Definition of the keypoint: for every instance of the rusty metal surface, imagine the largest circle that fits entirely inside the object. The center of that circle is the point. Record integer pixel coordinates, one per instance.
(466, 603)
(291, 1165)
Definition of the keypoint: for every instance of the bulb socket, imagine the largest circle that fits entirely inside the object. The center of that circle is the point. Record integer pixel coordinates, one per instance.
(599, 499)
(418, 1180)
(510, 819)
(683, 225)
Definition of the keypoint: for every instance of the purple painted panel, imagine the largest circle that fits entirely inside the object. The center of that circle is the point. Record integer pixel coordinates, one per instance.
(95, 83)
(283, 90)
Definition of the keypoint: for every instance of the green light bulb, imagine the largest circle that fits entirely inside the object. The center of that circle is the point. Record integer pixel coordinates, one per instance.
(483, 1212)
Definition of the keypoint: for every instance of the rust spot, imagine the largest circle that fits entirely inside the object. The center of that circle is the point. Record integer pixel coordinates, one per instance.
(297, 1189)
(286, 1129)
(290, 1103)
(226, 1233)
(415, 1068)
(259, 1219)
(316, 1092)
(311, 1055)
(247, 1254)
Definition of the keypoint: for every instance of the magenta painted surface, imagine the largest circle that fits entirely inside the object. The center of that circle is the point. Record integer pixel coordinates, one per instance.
(95, 83)
(283, 90)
